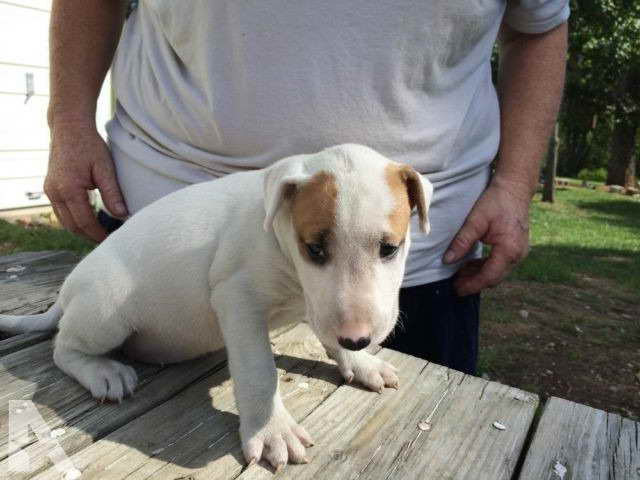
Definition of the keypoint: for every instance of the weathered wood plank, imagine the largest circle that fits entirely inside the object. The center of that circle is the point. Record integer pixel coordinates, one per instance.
(358, 434)
(29, 283)
(18, 342)
(194, 435)
(30, 375)
(577, 442)
(438, 425)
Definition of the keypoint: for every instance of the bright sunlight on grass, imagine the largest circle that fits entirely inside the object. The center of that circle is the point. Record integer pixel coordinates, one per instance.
(585, 232)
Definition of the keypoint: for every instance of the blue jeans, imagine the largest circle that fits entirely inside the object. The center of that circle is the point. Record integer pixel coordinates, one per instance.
(109, 223)
(438, 325)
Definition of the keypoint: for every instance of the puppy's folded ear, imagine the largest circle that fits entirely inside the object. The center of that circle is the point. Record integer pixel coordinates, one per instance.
(420, 191)
(281, 182)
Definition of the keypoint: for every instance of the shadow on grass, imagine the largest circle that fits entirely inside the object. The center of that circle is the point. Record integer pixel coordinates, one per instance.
(570, 265)
(624, 213)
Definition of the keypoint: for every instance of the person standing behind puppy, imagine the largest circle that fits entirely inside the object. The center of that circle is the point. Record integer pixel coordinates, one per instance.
(206, 88)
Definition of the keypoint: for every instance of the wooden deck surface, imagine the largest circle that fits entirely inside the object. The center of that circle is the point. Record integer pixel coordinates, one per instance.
(182, 422)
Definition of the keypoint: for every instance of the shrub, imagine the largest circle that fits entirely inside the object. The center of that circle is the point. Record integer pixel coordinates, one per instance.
(593, 174)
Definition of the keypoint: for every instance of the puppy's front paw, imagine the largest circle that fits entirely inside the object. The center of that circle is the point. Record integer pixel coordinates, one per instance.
(368, 370)
(279, 441)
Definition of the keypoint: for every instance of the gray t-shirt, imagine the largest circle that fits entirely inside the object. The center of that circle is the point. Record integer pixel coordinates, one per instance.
(210, 87)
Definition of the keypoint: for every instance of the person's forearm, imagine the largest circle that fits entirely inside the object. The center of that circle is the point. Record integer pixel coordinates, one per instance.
(83, 37)
(531, 79)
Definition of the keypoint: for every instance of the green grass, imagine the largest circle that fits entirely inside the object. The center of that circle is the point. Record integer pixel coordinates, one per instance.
(585, 232)
(17, 238)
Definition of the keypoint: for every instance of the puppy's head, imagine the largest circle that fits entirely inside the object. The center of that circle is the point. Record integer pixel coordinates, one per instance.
(343, 217)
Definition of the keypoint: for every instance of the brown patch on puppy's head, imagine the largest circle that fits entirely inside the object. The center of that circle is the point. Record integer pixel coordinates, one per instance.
(408, 190)
(401, 212)
(313, 210)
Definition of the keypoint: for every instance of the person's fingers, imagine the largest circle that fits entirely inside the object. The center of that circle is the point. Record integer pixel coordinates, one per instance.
(80, 161)
(493, 270)
(65, 217)
(104, 176)
(472, 231)
(84, 217)
(56, 198)
(472, 267)
(56, 213)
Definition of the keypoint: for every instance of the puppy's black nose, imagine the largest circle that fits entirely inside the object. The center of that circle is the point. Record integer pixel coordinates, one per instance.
(349, 344)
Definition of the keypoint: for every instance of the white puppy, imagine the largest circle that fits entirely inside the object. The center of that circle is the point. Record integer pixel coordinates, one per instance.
(205, 268)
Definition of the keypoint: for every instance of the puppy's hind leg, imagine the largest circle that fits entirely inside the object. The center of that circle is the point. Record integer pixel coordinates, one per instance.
(80, 350)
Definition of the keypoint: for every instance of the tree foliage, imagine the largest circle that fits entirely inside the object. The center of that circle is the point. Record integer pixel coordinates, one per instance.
(603, 82)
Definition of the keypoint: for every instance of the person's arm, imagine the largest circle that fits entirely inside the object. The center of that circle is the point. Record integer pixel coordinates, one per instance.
(531, 79)
(83, 38)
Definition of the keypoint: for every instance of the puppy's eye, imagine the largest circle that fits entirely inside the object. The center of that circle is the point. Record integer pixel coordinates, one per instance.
(316, 252)
(388, 251)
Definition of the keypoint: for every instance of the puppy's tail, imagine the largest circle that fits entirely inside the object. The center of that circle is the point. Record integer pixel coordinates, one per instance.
(41, 322)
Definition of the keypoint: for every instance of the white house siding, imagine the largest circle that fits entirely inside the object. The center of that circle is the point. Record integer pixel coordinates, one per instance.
(24, 135)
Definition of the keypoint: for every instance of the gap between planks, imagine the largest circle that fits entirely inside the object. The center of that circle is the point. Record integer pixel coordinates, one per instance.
(30, 374)
(359, 434)
(366, 436)
(577, 442)
(200, 423)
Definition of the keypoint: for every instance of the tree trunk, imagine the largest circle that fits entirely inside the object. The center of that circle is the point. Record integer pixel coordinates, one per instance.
(549, 191)
(621, 169)
(576, 121)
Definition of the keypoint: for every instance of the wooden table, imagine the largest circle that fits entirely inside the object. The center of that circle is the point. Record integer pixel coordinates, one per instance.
(182, 422)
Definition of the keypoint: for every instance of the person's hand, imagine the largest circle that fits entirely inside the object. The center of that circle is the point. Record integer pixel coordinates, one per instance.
(500, 218)
(80, 161)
